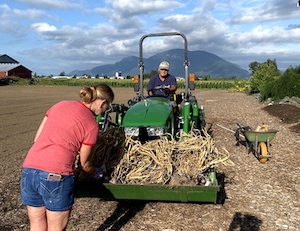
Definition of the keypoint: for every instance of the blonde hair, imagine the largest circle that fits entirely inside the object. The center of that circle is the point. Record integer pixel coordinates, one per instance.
(100, 91)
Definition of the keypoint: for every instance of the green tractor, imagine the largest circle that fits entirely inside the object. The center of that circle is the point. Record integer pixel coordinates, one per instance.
(147, 118)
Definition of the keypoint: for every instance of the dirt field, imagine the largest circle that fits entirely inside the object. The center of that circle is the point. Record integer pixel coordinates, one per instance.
(256, 196)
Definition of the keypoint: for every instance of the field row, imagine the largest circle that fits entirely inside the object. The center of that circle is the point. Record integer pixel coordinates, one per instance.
(233, 85)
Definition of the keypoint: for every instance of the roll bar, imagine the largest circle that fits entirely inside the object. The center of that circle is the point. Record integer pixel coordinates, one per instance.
(141, 62)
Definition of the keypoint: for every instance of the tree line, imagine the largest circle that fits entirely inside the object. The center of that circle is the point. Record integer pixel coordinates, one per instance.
(267, 80)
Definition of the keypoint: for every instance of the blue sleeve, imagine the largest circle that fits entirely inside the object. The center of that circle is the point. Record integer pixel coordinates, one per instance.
(171, 80)
(150, 84)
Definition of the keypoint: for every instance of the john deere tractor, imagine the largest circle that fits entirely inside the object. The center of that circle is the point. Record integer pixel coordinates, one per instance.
(146, 118)
(150, 117)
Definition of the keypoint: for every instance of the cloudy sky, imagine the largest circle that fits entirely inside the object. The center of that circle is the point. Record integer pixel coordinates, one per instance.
(52, 36)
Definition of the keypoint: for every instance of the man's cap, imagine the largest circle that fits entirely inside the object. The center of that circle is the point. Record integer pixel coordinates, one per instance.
(164, 65)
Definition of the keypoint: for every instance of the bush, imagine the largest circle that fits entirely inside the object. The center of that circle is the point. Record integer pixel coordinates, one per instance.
(15, 81)
(4, 81)
(261, 74)
(287, 84)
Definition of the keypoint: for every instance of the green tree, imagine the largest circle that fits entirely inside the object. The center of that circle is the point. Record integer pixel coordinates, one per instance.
(261, 74)
(253, 66)
(148, 76)
(62, 73)
(206, 77)
(289, 83)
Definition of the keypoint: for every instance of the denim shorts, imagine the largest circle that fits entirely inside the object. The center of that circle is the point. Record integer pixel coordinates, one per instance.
(38, 191)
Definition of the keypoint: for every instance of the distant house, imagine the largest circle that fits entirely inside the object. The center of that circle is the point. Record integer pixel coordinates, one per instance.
(119, 75)
(9, 67)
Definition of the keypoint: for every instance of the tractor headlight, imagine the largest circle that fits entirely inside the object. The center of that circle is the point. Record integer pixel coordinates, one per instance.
(131, 131)
(155, 131)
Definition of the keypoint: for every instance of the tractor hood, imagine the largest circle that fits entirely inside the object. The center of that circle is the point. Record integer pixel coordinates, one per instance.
(150, 112)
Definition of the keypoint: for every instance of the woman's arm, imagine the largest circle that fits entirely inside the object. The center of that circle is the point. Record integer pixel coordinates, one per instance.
(40, 128)
(85, 164)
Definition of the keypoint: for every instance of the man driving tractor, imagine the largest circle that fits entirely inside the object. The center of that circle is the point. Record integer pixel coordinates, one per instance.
(163, 83)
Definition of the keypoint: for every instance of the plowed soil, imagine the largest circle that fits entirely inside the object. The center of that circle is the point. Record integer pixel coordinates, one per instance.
(253, 196)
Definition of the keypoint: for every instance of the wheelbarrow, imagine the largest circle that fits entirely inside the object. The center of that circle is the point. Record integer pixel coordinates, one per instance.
(257, 142)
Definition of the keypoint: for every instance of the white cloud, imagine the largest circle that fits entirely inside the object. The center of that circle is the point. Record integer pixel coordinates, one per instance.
(271, 10)
(133, 13)
(4, 7)
(12, 13)
(207, 5)
(55, 4)
(14, 21)
(141, 7)
(43, 27)
(264, 35)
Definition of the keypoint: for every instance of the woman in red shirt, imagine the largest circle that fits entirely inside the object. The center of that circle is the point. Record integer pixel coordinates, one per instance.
(47, 183)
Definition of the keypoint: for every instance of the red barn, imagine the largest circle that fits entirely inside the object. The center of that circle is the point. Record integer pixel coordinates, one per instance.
(11, 68)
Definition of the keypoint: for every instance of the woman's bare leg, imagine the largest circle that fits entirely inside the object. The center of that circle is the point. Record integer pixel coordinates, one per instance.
(57, 220)
(37, 218)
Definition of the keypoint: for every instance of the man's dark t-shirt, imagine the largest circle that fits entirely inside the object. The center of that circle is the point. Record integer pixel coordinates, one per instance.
(155, 81)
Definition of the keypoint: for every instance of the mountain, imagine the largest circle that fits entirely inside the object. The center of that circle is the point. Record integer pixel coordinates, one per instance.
(202, 63)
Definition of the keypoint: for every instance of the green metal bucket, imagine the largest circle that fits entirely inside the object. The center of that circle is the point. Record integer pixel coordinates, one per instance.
(253, 136)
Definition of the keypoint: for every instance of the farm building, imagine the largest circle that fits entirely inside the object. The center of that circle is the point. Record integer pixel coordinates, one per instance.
(9, 67)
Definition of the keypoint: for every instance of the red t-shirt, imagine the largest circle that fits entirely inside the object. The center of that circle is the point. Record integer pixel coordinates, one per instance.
(69, 125)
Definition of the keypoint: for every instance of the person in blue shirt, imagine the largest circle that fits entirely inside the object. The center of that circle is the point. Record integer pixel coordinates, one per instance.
(163, 83)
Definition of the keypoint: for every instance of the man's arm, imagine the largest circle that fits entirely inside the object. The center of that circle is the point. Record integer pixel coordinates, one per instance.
(150, 93)
(173, 88)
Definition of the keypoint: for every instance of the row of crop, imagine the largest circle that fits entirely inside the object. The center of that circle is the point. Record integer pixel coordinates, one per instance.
(223, 84)
(83, 82)
(238, 85)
